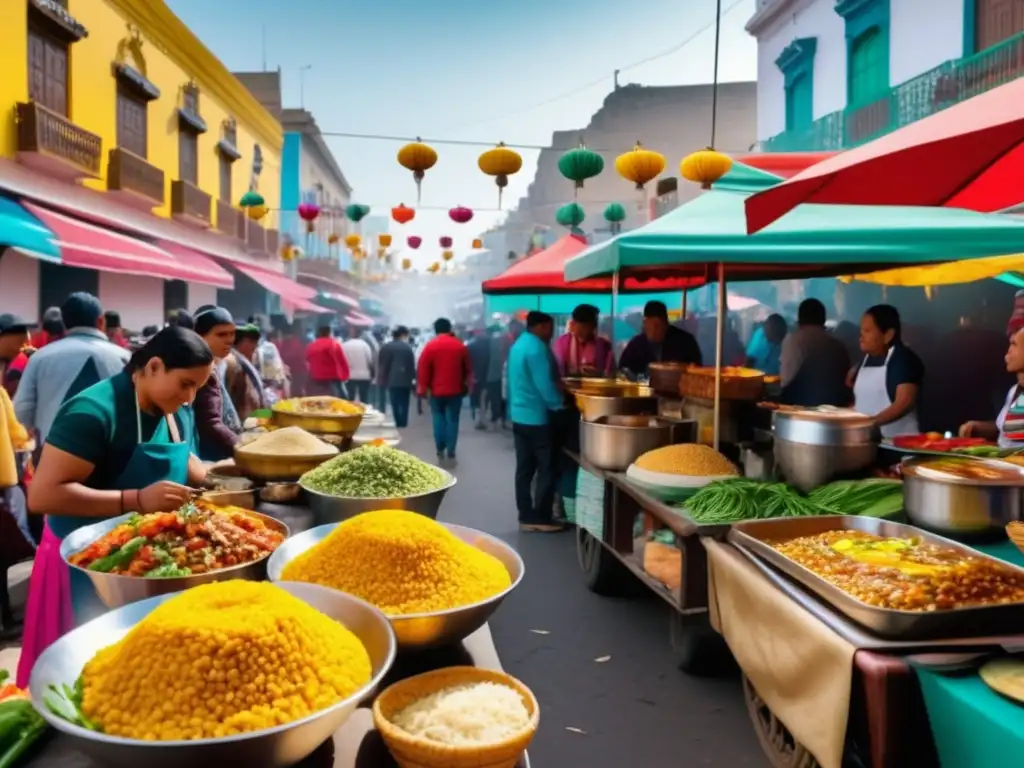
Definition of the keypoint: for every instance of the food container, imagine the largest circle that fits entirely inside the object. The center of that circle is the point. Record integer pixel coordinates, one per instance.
(243, 499)
(259, 466)
(939, 498)
(334, 509)
(664, 377)
(228, 477)
(318, 423)
(280, 493)
(595, 385)
(737, 383)
(754, 535)
(420, 753)
(624, 400)
(670, 487)
(285, 745)
(116, 590)
(614, 442)
(416, 631)
(813, 447)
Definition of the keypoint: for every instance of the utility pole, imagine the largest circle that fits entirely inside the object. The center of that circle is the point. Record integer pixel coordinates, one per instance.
(302, 84)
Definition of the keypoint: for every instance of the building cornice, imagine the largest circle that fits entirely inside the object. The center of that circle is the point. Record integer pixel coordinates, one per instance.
(797, 57)
(170, 34)
(767, 14)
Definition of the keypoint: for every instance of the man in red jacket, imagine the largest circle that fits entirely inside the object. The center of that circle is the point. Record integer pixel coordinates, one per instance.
(326, 363)
(444, 374)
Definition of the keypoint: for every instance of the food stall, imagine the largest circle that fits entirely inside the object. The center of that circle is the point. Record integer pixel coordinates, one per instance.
(758, 611)
(276, 625)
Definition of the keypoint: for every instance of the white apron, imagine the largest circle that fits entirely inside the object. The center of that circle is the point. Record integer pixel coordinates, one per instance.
(871, 397)
(1011, 398)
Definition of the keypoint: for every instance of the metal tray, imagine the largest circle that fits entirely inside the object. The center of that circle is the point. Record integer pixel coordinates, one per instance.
(885, 622)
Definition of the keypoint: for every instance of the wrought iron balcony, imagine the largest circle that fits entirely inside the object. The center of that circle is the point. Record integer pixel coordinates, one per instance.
(134, 179)
(189, 203)
(948, 84)
(55, 145)
(229, 219)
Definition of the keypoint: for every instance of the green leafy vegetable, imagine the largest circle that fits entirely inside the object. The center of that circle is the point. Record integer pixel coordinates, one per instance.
(20, 726)
(66, 703)
(168, 571)
(874, 498)
(730, 501)
(120, 558)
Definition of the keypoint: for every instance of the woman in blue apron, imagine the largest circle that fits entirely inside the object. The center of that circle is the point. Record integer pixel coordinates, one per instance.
(122, 445)
(217, 422)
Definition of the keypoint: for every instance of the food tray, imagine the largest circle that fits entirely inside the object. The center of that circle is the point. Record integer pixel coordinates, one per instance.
(700, 383)
(898, 625)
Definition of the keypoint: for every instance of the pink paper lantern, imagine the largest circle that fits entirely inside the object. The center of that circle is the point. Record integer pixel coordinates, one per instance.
(414, 241)
(308, 211)
(446, 242)
(460, 214)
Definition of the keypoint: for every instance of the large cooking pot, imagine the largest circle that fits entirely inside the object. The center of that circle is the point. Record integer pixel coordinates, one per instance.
(664, 377)
(962, 496)
(628, 400)
(615, 442)
(815, 446)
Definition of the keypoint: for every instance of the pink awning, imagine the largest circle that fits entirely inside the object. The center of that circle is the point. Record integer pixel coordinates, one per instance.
(358, 318)
(93, 247)
(343, 299)
(301, 305)
(207, 270)
(289, 290)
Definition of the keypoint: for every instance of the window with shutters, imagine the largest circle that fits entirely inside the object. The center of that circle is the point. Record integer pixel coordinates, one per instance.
(188, 156)
(225, 178)
(132, 122)
(47, 70)
(799, 103)
(869, 67)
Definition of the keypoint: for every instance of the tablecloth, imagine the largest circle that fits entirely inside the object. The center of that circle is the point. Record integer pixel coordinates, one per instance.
(801, 668)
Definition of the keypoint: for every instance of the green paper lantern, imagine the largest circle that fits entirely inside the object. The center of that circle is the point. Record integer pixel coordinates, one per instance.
(614, 213)
(251, 199)
(580, 164)
(571, 215)
(356, 212)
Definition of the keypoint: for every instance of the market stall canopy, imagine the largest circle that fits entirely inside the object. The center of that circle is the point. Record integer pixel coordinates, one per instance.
(813, 241)
(950, 273)
(340, 298)
(970, 155)
(358, 319)
(784, 164)
(290, 291)
(23, 232)
(212, 272)
(544, 272)
(565, 303)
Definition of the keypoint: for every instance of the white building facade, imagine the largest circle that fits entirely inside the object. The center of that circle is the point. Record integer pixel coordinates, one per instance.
(834, 74)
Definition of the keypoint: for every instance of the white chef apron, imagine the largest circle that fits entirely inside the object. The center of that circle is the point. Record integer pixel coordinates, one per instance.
(871, 397)
(1004, 441)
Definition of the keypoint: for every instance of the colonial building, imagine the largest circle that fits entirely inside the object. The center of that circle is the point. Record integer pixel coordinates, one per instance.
(832, 75)
(132, 144)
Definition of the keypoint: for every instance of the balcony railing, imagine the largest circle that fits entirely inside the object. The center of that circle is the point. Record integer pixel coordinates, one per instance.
(948, 84)
(273, 241)
(229, 219)
(55, 139)
(255, 236)
(130, 174)
(190, 203)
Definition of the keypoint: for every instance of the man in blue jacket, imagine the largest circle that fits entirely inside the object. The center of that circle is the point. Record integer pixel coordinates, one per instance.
(533, 395)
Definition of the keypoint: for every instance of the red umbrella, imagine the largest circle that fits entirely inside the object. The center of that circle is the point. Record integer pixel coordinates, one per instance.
(968, 156)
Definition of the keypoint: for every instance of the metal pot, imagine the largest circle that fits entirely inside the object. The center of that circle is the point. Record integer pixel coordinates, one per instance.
(633, 400)
(615, 442)
(334, 509)
(665, 377)
(942, 502)
(813, 447)
(824, 427)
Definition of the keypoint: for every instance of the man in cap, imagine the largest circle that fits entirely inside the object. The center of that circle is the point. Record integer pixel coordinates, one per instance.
(660, 342)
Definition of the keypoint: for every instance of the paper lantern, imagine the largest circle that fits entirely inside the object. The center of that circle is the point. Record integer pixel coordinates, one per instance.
(356, 212)
(640, 165)
(406, 264)
(308, 211)
(478, 244)
(580, 164)
(418, 158)
(445, 242)
(414, 241)
(402, 215)
(571, 215)
(353, 241)
(448, 255)
(460, 214)
(615, 214)
(500, 162)
(251, 198)
(384, 240)
(257, 212)
(433, 268)
(705, 167)
(333, 238)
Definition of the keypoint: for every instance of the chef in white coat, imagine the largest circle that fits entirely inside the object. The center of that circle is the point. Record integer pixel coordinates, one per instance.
(887, 383)
(1008, 428)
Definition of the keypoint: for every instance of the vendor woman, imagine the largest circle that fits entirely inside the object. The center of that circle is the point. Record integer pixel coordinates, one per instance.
(1008, 428)
(580, 351)
(887, 383)
(123, 445)
(217, 421)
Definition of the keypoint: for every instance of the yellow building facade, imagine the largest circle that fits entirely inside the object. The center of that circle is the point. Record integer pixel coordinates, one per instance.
(120, 97)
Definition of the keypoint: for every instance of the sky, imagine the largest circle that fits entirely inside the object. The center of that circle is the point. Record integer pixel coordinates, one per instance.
(463, 70)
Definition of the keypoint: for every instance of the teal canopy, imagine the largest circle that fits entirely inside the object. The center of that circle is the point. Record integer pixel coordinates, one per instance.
(22, 231)
(565, 303)
(811, 241)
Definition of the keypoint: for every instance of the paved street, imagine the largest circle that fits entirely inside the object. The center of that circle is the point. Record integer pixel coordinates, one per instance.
(635, 709)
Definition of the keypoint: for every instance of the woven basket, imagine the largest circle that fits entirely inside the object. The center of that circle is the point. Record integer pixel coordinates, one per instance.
(412, 752)
(1015, 531)
(700, 383)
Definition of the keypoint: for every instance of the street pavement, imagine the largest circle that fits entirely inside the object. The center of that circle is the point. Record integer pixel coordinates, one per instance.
(632, 709)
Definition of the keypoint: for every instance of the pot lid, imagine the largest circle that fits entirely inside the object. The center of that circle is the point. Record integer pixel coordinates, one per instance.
(960, 470)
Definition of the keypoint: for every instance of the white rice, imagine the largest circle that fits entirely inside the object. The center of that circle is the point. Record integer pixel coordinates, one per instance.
(466, 715)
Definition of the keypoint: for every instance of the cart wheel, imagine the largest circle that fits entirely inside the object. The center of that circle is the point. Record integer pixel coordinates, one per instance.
(698, 649)
(604, 574)
(782, 749)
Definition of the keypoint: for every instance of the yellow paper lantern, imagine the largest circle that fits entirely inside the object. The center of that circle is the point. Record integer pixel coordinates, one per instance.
(500, 162)
(418, 158)
(448, 255)
(434, 267)
(333, 238)
(705, 167)
(406, 264)
(640, 165)
(478, 244)
(384, 240)
(353, 241)
(257, 212)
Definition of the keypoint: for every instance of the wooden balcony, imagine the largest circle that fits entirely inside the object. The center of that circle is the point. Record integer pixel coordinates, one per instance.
(229, 219)
(273, 242)
(134, 180)
(189, 204)
(255, 236)
(56, 146)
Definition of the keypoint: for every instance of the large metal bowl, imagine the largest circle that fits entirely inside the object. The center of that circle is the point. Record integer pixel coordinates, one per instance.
(260, 466)
(116, 590)
(330, 423)
(284, 745)
(615, 442)
(334, 509)
(418, 631)
(630, 400)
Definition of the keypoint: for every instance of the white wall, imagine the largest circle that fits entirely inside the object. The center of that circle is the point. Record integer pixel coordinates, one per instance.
(199, 295)
(313, 172)
(139, 300)
(921, 36)
(19, 285)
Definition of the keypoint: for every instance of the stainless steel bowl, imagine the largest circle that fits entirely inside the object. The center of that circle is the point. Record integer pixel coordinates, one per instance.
(285, 745)
(334, 509)
(807, 466)
(944, 503)
(824, 427)
(615, 442)
(418, 631)
(638, 400)
(115, 590)
(664, 377)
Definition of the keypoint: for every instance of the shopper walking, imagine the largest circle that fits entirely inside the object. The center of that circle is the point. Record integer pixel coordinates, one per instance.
(327, 365)
(444, 374)
(396, 373)
(361, 366)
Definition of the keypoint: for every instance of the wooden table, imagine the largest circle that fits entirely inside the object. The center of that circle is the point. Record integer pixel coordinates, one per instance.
(356, 744)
